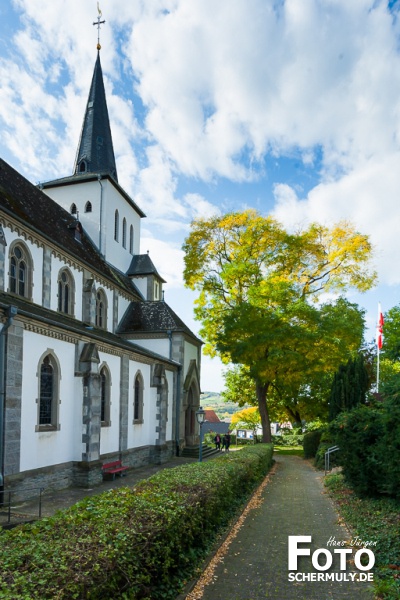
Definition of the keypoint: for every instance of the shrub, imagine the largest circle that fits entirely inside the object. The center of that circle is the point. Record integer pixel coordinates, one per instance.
(328, 440)
(288, 439)
(311, 442)
(144, 538)
(369, 438)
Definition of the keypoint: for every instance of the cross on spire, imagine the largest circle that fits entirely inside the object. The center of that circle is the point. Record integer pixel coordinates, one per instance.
(98, 23)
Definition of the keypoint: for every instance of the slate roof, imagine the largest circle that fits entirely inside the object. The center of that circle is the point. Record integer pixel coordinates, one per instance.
(152, 317)
(95, 145)
(143, 265)
(29, 205)
(68, 323)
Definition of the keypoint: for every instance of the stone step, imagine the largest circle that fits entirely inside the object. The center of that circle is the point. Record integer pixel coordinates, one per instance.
(193, 451)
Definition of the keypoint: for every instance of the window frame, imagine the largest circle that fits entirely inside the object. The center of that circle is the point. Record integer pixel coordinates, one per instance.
(51, 359)
(116, 225)
(65, 292)
(138, 395)
(101, 299)
(105, 396)
(15, 263)
(131, 239)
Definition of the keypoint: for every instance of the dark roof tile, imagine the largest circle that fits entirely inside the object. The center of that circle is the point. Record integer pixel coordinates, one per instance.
(29, 205)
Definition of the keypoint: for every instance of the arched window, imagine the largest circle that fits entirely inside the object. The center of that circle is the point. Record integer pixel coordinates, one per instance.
(66, 292)
(116, 226)
(101, 309)
(105, 383)
(20, 270)
(48, 402)
(88, 207)
(82, 166)
(138, 399)
(124, 233)
(73, 209)
(131, 239)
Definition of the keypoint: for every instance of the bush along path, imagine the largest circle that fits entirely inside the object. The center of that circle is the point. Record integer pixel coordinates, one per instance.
(131, 543)
(254, 565)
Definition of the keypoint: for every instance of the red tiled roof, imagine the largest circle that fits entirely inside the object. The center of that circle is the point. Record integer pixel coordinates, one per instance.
(211, 417)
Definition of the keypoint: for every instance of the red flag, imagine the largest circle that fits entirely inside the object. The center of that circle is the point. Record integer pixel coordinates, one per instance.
(379, 328)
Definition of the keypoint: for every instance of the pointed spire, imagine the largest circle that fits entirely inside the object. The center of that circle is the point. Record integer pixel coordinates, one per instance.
(95, 152)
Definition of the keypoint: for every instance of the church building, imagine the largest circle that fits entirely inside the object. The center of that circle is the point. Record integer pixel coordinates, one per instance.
(94, 364)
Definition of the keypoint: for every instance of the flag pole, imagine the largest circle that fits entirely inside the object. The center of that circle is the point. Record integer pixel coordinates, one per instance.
(377, 371)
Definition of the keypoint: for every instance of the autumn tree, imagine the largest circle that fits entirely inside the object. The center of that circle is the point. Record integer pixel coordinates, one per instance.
(248, 418)
(259, 288)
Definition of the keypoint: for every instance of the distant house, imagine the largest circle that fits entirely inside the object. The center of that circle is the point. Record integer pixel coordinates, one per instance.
(213, 423)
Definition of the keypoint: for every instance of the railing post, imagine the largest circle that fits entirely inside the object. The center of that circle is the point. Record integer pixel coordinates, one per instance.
(327, 455)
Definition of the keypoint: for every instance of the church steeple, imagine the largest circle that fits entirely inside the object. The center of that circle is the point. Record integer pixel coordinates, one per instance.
(95, 152)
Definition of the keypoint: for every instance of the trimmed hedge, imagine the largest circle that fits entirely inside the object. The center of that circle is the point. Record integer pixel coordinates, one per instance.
(136, 543)
(311, 442)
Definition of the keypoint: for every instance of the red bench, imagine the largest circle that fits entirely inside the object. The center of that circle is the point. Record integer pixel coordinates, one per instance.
(112, 468)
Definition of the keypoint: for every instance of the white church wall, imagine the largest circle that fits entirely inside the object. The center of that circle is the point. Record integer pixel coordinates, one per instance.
(40, 449)
(159, 346)
(123, 304)
(115, 253)
(109, 436)
(191, 353)
(141, 284)
(80, 194)
(139, 434)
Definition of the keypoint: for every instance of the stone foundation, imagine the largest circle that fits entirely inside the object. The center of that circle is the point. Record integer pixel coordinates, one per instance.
(85, 474)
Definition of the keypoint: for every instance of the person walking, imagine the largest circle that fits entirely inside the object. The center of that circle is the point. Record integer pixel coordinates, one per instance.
(223, 443)
(217, 441)
(227, 441)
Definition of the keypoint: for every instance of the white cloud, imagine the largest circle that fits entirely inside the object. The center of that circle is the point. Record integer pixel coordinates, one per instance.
(219, 87)
(199, 207)
(368, 197)
(168, 258)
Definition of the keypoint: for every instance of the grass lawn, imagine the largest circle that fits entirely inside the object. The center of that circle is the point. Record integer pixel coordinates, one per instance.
(373, 519)
(292, 450)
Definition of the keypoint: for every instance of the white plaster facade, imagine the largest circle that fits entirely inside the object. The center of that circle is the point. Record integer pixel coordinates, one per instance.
(94, 365)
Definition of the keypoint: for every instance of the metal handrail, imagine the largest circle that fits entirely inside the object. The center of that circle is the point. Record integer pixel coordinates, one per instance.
(20, 492)
(327, 455)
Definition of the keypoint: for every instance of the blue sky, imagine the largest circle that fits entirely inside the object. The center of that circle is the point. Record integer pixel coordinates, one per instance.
(290, 107)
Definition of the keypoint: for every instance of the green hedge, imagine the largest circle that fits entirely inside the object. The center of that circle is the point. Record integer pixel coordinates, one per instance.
(369, 440)
(288, 439)
(311, 442)
(136, 543)
(328, 439)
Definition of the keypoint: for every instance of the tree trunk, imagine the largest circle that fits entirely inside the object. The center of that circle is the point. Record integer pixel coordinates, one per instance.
(295, 415)
(261, 390)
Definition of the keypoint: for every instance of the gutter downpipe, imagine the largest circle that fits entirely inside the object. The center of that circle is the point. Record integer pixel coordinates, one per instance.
(10, 312)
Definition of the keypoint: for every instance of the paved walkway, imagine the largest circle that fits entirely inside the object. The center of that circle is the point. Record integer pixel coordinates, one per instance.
(254, 566)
